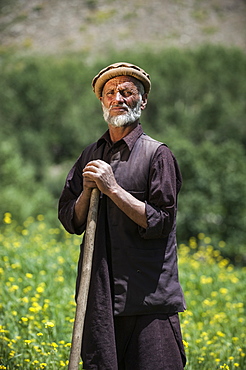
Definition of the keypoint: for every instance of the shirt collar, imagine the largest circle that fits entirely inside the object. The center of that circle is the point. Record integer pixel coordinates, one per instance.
(129, 139)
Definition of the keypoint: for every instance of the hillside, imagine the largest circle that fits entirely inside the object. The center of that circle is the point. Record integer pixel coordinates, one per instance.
(95, 26)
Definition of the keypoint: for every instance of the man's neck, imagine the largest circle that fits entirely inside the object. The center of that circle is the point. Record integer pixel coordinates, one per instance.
(117, 133)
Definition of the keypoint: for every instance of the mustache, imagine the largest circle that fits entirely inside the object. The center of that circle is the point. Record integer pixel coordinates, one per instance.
(119, 106)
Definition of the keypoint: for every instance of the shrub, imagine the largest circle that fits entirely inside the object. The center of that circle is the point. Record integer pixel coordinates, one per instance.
(197, 107)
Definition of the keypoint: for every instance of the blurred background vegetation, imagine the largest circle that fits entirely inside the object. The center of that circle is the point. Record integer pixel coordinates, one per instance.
(197, 106)
(48, 114)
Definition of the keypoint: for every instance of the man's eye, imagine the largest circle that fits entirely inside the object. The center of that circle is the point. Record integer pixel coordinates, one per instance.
(126, 93)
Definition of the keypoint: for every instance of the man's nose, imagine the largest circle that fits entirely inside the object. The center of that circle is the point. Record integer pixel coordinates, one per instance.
(119, 97)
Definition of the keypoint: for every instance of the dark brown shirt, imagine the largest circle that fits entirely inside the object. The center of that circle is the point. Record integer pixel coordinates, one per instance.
(141, 264)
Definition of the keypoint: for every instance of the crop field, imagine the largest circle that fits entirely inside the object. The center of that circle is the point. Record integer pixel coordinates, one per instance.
(37, 308)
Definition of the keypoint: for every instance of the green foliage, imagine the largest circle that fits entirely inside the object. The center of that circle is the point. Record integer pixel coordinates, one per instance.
(215, 202)
(197, 107)
(20, 192)
(38, 270)
(38, 278)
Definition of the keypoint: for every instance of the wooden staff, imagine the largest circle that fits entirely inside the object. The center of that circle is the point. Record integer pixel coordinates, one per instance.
(78, 326)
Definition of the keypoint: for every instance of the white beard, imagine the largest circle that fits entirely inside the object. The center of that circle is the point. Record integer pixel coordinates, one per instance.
(125, 119)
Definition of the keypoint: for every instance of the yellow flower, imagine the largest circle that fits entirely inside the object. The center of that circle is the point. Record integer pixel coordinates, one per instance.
(7, 218)
(13, 288)
(28, 221)
(239, 305)
(40, 217)
(222, 244)
(234, 279)
(25, 299)
(24, 319)
(200, 359)
(35, 307)
(60, 279)
(39, 334)
(206, 279)
(223, 263)
(27, 289)
(49, 324)
(201, 236)
(60, 259)
(28, 275)
(2, 330)
(72, 303)
(223, 290)
(40, 288)
(28, 341)
(220, 334)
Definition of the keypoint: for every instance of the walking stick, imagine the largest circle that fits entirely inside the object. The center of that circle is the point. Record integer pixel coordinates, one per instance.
(84, 282)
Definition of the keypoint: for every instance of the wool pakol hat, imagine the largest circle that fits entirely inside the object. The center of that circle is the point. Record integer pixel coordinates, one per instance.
(120, 69)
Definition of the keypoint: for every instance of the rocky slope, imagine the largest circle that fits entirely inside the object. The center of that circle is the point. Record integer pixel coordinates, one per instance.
(95, 26)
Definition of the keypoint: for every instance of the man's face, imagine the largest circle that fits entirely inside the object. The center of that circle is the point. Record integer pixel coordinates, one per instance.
(121, 101)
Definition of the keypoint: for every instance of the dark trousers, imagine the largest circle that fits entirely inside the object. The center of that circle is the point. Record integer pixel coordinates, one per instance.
(149, 342)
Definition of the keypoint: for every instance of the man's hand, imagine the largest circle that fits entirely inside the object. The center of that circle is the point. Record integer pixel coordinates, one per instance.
(99, 174)
(96, 174)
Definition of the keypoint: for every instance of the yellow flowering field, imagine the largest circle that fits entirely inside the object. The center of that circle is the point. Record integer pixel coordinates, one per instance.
(38, 271)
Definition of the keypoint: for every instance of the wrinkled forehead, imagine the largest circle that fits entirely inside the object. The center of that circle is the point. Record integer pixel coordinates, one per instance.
(122, 82)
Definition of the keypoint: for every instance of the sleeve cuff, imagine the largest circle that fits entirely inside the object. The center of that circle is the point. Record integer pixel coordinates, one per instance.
(154, 222)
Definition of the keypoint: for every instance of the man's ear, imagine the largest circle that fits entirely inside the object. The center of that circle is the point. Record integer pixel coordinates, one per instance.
(144, 101)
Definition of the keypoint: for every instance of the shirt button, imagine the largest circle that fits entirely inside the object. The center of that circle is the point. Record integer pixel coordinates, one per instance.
(138, 271)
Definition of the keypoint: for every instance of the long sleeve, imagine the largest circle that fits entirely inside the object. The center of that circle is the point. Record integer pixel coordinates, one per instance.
(71, 191)
(164, 184)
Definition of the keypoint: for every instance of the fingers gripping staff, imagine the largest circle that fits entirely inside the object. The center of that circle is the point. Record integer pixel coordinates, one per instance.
(101, 174)
(84, 282)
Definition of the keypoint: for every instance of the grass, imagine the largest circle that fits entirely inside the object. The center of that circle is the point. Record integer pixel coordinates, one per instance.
(38, 271)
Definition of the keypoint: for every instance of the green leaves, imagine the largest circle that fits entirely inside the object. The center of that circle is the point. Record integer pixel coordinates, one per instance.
(196, 106)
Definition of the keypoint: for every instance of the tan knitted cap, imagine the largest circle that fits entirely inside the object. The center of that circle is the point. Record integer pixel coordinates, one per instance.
(119, 69)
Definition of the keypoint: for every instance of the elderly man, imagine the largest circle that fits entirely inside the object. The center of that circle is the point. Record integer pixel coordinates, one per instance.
(134, 298)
